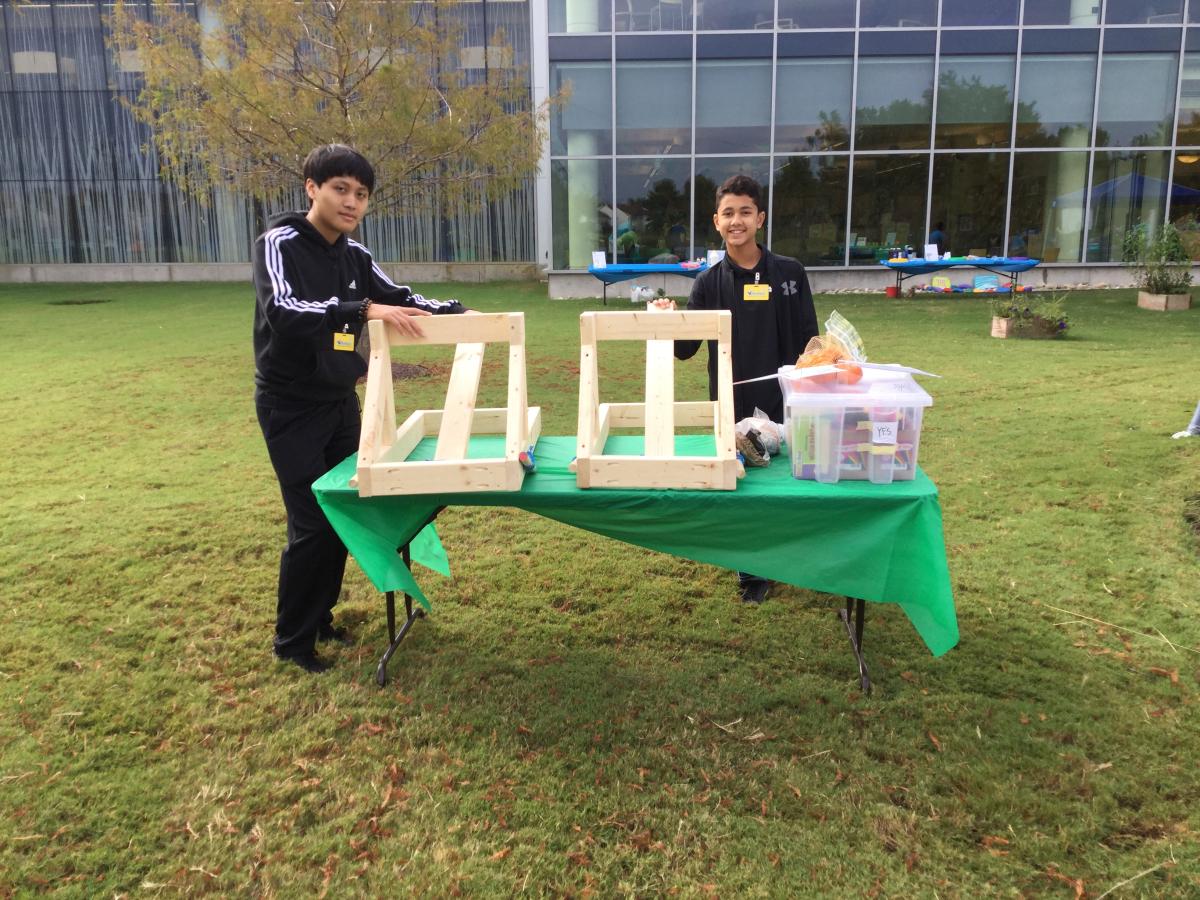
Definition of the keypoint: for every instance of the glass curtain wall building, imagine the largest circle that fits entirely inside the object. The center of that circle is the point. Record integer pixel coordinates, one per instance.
(79, 178)
(1042, 128)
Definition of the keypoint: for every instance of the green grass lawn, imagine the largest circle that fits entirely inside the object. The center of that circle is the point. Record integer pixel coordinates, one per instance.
(580, 717)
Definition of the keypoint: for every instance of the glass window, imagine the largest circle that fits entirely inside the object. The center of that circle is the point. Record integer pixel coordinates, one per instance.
(1139, 12)
(1185, 198)
(1056, 99)
(32, 56)
(80, 46)
(1062, 12)
(894, 102)
(1047, 206)
(968, 201)
(583, 125)
(721, 16)
(88, 112)
(39, 135)
(581, 197)
(5, 63)
(733, 114)
(809, 213)
(898, 14)
(652, 15)
(816, 13)
(975, 101)
(710, 175)
(1129, 188)
(653, 208)
(888, 205)
(124, 68)
(980, 12)
(1189, 100)
(10, 159)
(812, 104)
(133, 143)
(579, 16)
(654, 107)
(1137, 99)
(140, 222)
(46, 223)
(13, 243)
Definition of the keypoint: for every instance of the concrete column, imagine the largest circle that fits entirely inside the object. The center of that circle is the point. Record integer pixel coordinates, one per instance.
(583, 16)
(583, 197)
(1068, 225)
(1085, 12)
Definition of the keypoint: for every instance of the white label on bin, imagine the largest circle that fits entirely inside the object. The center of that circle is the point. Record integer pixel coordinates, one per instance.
(883, 432)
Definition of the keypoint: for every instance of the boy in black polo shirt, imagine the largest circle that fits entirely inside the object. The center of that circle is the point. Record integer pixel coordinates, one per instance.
(773, 315)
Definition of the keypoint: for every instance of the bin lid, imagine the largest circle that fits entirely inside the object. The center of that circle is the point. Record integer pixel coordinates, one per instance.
(877, 388)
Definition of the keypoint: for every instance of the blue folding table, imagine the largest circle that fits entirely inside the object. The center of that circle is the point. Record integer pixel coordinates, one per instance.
(627, 271)
(997, 265)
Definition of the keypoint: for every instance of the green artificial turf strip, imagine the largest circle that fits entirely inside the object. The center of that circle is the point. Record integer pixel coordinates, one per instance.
(578, 715)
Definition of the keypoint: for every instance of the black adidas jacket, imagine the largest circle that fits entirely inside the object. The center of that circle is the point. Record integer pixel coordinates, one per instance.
(766, 334)
(307, 291)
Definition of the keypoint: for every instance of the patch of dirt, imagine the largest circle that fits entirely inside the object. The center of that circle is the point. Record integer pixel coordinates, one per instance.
(1191, 513)
(76, 301)
(404, 372)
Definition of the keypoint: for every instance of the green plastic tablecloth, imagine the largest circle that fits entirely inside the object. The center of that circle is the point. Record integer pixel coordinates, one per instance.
(876, 542)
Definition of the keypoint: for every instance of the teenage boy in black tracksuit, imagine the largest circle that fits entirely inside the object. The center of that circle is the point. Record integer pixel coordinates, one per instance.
(315, 289)
(773, 315)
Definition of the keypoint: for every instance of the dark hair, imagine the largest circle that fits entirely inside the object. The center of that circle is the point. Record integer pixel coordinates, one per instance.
(331, 160)
(742, 186)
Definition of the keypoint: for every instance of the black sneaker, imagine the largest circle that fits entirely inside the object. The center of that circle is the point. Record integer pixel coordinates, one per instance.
(754, 590)
(336, 635)
(309, 662)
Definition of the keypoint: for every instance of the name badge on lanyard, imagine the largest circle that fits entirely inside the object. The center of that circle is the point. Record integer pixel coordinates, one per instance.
(343, 340)
(756, 292)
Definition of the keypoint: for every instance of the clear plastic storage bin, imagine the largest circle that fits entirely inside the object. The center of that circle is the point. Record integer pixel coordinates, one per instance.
(869, 431)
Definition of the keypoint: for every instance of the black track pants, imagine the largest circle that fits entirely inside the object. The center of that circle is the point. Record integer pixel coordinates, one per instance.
(304, 443)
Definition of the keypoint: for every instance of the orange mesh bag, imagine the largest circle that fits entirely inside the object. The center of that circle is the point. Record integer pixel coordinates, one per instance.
(827, 350)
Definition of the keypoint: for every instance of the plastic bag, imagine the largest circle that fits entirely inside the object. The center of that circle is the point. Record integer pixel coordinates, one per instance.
(769, 433)
(639, 293)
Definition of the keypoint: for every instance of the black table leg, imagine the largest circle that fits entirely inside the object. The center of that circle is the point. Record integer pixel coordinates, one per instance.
(855, 632)
(411, 615)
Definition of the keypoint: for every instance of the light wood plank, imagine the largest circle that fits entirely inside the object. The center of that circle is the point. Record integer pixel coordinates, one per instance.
(408, 435)
(477, 328)
(660, 398)
(659, 325)
(703, 473)
(455, 432)
(516, 437)
(723, 427)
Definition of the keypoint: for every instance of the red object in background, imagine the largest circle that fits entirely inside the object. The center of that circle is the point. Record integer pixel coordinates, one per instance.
(892, 291)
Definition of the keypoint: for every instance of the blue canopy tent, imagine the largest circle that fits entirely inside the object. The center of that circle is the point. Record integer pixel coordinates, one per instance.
(1132, 187)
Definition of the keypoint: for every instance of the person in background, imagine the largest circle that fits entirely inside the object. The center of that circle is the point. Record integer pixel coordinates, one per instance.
(773, 316)
(1193, 429)
(938, 236)
(315, 289)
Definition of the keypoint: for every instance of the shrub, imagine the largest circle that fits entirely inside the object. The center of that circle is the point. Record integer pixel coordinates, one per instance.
(1159, 260)
(1044, 314)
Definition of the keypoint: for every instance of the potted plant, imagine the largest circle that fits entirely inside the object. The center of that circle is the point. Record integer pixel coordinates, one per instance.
(1022, 316)
(1161, 265)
